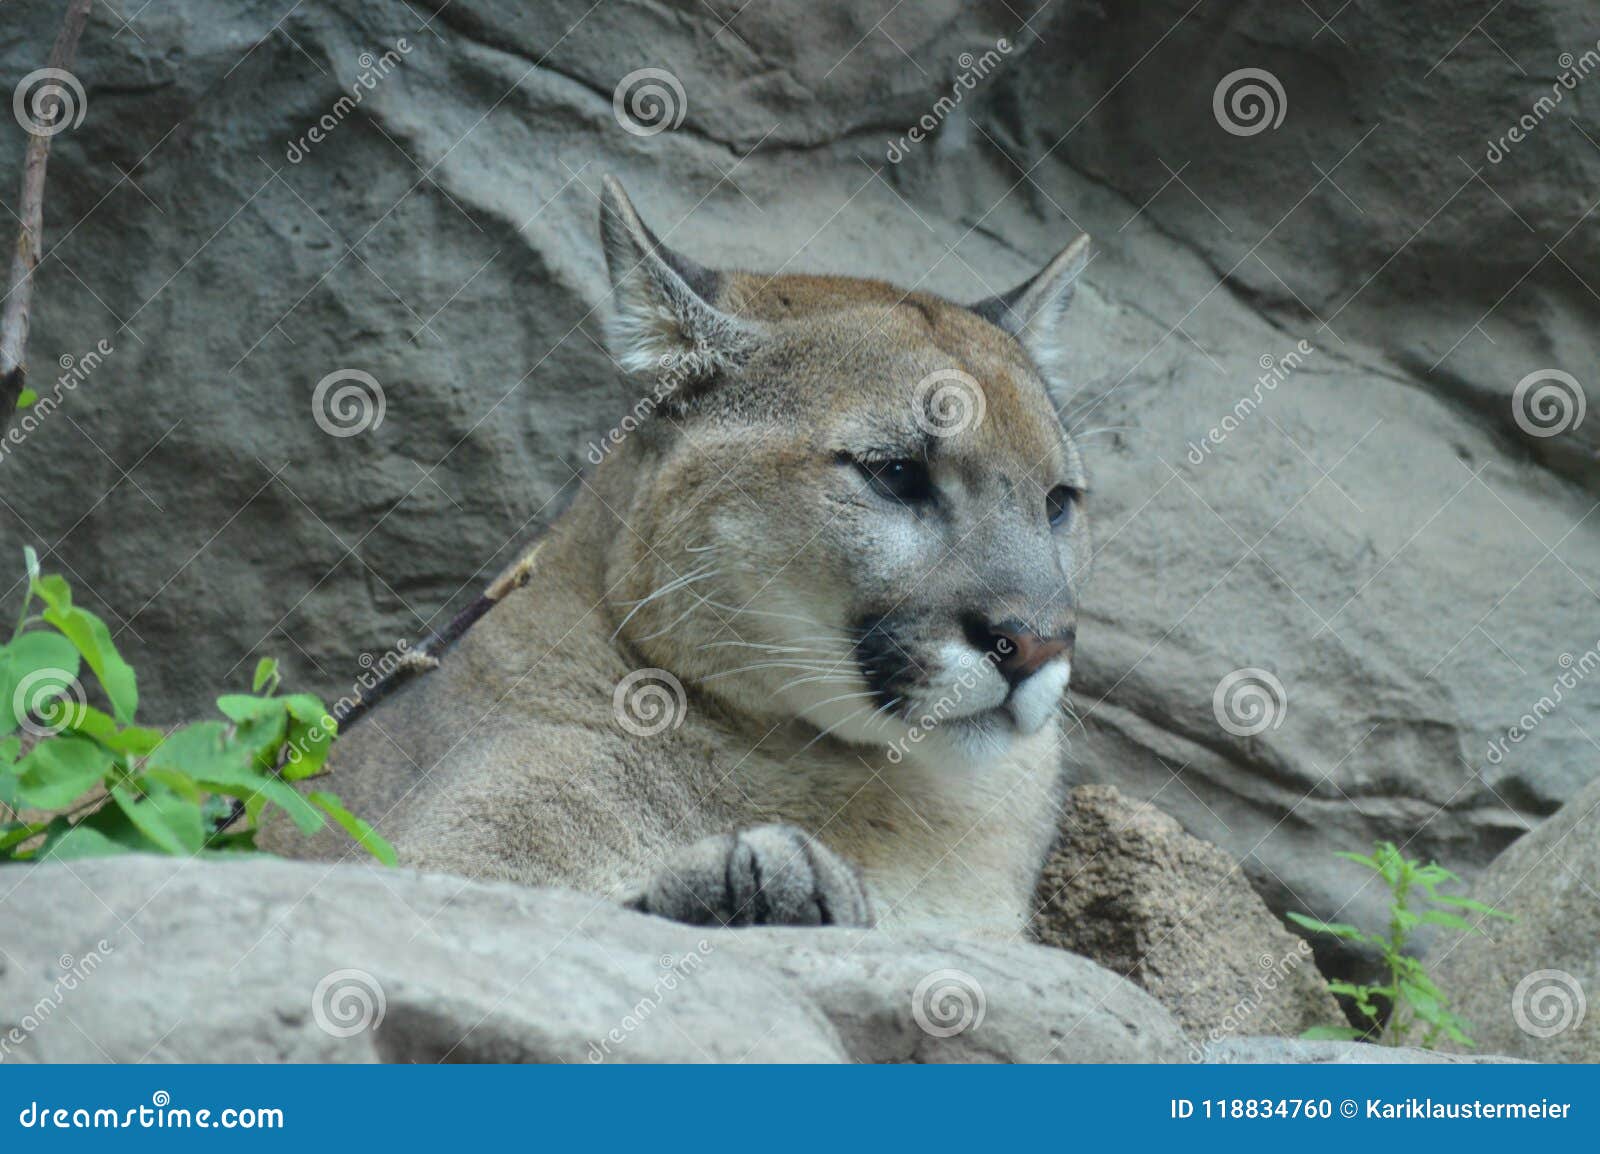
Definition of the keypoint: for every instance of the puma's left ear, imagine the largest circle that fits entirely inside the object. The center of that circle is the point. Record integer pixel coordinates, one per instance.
(661, 315)
(1032, 311)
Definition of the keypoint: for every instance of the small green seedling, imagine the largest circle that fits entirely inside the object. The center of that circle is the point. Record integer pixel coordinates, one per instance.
(87, 783)
(1417, 1010)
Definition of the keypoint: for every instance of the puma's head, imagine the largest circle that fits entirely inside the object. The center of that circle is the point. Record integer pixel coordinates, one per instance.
(848, 504)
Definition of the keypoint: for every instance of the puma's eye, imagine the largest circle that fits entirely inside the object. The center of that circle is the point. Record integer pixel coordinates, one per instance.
(1058, 504)
(904, 480)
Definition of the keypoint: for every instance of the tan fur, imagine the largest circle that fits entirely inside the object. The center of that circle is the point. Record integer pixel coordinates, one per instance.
(508, 761)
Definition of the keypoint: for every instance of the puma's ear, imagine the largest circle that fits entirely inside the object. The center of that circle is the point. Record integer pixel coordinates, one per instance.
(1032, 311)
(661, 314)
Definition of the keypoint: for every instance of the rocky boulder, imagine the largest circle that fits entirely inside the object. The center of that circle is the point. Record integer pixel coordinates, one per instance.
(1526, 985)
(154, 959)
(1130, 889)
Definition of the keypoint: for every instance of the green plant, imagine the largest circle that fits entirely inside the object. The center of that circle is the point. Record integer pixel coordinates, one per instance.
(1412, 1001)
(97, 783)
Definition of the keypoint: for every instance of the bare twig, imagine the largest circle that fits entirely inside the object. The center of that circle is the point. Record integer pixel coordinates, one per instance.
(19, 278)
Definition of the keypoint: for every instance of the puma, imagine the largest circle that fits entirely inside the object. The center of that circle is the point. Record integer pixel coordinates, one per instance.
(797, 652)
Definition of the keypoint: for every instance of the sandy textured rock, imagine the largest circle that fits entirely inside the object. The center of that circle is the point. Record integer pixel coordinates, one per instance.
(162, 960)
(1529, 987)
(1128, 888)
(1271, 1051)
(1378, 533)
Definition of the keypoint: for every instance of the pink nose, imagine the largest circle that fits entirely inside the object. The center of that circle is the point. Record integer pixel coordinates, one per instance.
(1022, 651)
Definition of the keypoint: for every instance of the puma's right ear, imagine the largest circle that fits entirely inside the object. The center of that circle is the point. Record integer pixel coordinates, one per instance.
(662, 315)
(1032, 312)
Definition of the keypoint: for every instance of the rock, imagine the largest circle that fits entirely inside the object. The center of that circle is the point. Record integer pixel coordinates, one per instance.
(1526, 986)
(1375, 531)
(1297, 1051)
(1128, 888)
(146, 958)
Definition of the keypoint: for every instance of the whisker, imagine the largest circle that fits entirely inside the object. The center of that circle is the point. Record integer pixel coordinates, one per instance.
(675, 584)
(847, 718)
(761, 665)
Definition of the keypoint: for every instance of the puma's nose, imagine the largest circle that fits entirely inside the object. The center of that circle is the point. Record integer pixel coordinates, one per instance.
(1018, 651)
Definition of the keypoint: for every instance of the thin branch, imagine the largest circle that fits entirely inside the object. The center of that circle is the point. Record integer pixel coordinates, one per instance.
(51, 109)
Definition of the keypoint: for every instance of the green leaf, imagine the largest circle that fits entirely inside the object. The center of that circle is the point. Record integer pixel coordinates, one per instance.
(1362, 860)
(14, 833)
(365, 836)
(60, 770)
(309, 746)
(37, 669)
(93, 640)
(179, 783)
(1333, 1034)
(1474, 906)
(1337, 929)
(1441, 918)
(79, 841)
(308, 708)
(165, 818)
(30, 562)
(238, 841)
(241, 707)
(53, 590)
(252, 786)
(27, 398)
(266, 674)
(198, 750)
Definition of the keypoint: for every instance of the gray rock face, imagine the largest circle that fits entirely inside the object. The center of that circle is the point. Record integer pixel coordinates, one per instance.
(1129, 889)
(1373, 527)
(163, 960)
(1528, 986)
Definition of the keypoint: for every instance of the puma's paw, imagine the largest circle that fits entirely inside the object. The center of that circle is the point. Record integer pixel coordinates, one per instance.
(767, 875)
